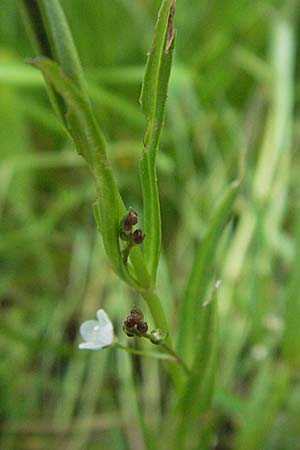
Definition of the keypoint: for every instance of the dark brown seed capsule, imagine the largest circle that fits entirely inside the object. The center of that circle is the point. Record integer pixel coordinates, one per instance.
(142, 327)
(138, 236)
(132, 217)
(136, 314)
(130, 322)
(129, 220)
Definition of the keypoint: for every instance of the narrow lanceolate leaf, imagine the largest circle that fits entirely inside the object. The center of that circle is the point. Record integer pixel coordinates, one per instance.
(202, 272)
(153, 100)
(196, 396)
(90, 143)
(47, 26)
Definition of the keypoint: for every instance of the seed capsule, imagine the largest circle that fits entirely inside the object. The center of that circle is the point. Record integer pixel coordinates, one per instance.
(137, 315)
(130, 322)
(132, 217)
(138, 236)
(142, 327)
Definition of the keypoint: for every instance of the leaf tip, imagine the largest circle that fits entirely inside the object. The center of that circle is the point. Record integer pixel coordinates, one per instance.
(170, 29)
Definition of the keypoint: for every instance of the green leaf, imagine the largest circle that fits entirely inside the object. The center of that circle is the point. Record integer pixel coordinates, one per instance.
(61, 42)
(197, 393)
(47, 26)
(91, 145)
(153, 100)
(109, 207)
(158, 68)
(202, 272)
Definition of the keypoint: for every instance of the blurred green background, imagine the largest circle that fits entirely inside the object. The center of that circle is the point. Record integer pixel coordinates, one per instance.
(233, 109)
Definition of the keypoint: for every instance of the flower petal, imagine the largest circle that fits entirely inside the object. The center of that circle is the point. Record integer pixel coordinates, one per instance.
(89, 346)
(97, 333)
(106, 327)
(103, 319)
(90, 330)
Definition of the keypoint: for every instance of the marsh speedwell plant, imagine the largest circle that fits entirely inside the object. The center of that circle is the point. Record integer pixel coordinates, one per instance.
(192, 375)
(170, 344)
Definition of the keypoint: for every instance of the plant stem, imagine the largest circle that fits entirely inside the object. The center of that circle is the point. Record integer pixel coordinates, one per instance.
(134, 351)
(160, 321)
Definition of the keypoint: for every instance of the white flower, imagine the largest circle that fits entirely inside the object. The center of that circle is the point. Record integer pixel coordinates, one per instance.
(97, 333)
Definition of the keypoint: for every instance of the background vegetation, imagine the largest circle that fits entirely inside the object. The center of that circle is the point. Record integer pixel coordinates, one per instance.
(233, 109)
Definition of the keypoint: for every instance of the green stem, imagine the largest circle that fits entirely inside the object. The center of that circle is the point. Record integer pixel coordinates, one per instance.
(172, 355)
(138, 263)
(160, 321)
(149, 354)
(126, 252)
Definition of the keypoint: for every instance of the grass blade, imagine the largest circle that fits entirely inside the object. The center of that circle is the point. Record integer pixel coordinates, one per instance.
(197, 393)
(202, 270)
(266, 398)
(49, 32)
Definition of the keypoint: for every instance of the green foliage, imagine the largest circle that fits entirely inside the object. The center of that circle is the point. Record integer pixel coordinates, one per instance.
(202, 272)
(196, 395)
(90, 144)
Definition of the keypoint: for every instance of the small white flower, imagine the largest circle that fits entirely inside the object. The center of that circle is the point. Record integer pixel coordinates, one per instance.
(97, 333)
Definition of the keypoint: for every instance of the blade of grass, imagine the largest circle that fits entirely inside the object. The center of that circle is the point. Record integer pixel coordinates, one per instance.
(130, 409)
(266, 397)
(276, 140)
(49, 32)
(202, 271)
(197, 393)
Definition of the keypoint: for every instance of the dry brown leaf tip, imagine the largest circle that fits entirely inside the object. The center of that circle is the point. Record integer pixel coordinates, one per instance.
(170, 30)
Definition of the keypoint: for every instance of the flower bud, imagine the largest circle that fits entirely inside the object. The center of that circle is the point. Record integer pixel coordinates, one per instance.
(157, 336)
